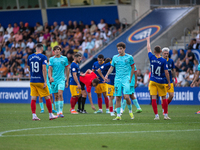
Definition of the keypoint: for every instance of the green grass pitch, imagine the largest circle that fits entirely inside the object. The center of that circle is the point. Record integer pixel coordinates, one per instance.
(99, 131)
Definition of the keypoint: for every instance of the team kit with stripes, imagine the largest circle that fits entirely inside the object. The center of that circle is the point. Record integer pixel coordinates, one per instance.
(114, 79)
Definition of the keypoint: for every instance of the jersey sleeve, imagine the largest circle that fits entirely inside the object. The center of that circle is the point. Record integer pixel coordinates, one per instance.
(66, 62)
(165, 65)
(44, 62)
(131, 61)
(51, 62)
(73, 68)
(113, 62)
(105, 66)
(150, 55)
(199, 67)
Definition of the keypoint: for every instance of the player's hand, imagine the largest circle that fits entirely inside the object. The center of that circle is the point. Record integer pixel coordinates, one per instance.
(45, 84)
(148, 38)
(82, 74)
(79, 86)
(106, 78)
(66, 84)
(169, 86)
(51, 79)
(135, 84)
(93, 108)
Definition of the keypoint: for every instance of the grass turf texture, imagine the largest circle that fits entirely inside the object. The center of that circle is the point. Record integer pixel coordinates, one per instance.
(99, 131)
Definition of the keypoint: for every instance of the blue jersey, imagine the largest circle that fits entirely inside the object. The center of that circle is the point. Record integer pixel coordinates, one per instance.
(74, 68)
(104, 69)
(198, 67)
(122, 65)
(133, 78)
(35, 62)
(58, 65)
(95, 67)
(158, 67)
(171, 66)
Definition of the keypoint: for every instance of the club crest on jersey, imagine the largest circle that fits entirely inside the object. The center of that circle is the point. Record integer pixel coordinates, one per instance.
(62, 62)
(141, 34)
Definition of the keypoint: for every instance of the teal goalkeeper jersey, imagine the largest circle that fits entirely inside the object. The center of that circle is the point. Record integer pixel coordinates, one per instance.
(133, 78)
(58, 65)
(199, 67)
(122, 65)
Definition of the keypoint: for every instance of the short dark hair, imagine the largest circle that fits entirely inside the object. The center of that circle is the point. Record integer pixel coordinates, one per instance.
(100, 56)
(78, 55)
(194, 40)
(107, 60)
(121, 44)
(157, 49)
(39, 46)
(95, 81)
(56, 47)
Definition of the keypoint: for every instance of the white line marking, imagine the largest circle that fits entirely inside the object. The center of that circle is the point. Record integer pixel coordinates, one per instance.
(156, 131)
(72, 126)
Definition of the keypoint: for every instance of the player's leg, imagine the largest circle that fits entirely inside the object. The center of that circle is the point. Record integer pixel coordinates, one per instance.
(57, 103)
(111, 105)
(49, 107)
(83, 99)
(118, 94)
(75, 94)
(34, 94)
(127, 92)
(135, 102)
(123, 104)
(61, 87)
(98, 91)
(53, 110)
(104, 90)
(153, 93)
(41, 105)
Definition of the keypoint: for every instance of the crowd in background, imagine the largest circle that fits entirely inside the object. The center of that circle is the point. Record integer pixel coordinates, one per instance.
(18, 41)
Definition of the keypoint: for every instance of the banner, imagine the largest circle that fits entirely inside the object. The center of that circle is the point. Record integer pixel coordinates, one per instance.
(182, 95)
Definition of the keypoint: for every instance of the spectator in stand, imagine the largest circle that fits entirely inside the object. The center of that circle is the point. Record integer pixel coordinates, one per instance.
(140, 78)
(18, 36)
(46, 26)
(52, 29)
(86, 29)
(21, 27)
(146, 78)
(6, 36)
(195, 32)
(1, 37)
(15, 44)
(98, 43)
(181, 59)
(84, 44)
(118, 27)
(29, 51)
(13, 52)
(85, 55)
(38, 28)
(100, 34)
(1, 52)
(7, 52)
(195, 67)
(189, 78)
(101, 25)
(54, 43)
(30, 44)
(75, 24)
(193, 44)
(78, 35)
(26, 71)
(19, 55)
(47, 35)
(62, 35)
(63, 27)
(16, 28)
(70, 25)
(4, 60)
(174, 55)
(28, 29)
(107, 35)
(186, 65)
(64, 43)
(22, 45)
(190, 55)
(81, 26)
(198, 36)
(93, 27)
(9, 28)
(3, 70)
(90, 46)
(41, 37)
(180, 79)
(55, 25)
(1, 28)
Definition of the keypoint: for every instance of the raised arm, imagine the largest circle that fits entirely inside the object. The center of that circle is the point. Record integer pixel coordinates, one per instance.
(148, 44)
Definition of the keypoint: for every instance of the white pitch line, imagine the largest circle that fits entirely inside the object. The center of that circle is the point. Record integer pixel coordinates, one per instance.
(90, 125)
(156, 131)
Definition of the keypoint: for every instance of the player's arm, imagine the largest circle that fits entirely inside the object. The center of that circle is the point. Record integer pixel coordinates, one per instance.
(50, 74)
(132, 72)
(44, 71)
(91, 102)
(74, 74)
(67, 73)
(100, 73)
(168, 79)
(88, 71)
(135, 78)
(195, 79)
(109, 71)
(148, 44)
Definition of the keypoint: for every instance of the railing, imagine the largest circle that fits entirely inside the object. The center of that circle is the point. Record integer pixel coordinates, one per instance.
(172, 42)
(14, 78)
(187, 31)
